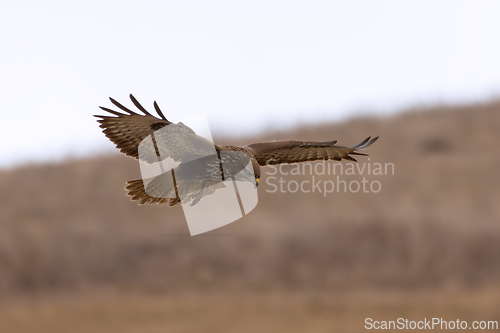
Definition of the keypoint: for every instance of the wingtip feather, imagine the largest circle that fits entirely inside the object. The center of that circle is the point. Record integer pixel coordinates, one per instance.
(157, 108)
(359, 145)
(139, 106)
(369, 142)
(118, 105)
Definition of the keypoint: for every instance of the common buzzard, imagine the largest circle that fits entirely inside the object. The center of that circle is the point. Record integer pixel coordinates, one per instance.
(198, 169)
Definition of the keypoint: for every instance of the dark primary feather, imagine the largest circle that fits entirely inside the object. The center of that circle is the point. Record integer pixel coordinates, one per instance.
(139, 106)
(157, 108)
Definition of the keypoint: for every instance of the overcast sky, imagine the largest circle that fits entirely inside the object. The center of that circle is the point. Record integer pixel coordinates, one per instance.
(247, 65)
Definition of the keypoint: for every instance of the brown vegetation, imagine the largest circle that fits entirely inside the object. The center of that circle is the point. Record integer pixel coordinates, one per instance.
(435, 225)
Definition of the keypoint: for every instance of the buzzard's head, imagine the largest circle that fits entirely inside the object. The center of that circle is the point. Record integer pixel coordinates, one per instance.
(235, 161)
(256, 170)
(254, 176)
(244, 174)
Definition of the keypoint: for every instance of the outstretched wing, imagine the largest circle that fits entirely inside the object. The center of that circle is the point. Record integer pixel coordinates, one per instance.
(279, 152)
(127, 131)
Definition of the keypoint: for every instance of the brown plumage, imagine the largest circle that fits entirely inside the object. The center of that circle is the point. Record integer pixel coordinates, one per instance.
(181, 144)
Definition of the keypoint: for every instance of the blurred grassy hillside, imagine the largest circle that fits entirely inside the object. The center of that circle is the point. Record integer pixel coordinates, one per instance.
(433, 229)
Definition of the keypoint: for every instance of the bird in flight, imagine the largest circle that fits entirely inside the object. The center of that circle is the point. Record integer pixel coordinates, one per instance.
(201, 164)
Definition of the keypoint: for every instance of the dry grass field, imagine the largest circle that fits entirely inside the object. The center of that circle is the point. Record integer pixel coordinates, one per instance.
(237, 312)
(77, 256)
